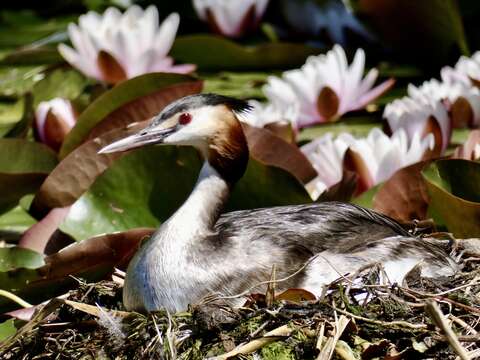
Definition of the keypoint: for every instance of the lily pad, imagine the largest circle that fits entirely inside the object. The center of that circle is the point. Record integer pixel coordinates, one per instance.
(242, 85)
(357, 127)
(454, 189)
(16, 80)
(67, 84)
(404, 196)
(10, 115)
(216, 53)
(16, 220)
(17, 257)
(23, 166)
(7, 329)
(112, 100)
(146, 186)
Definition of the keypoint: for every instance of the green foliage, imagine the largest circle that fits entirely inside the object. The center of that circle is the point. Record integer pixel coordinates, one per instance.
(216, 53)
(23, 166)
(67, 84)
(453, 186)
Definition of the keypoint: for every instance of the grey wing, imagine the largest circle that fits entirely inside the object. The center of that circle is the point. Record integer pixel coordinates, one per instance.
(334, 226)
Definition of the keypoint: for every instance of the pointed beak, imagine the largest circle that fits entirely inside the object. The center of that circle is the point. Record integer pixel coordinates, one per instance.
(140, 139)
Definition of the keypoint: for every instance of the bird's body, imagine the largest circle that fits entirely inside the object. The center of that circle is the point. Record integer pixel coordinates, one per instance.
(199, 251)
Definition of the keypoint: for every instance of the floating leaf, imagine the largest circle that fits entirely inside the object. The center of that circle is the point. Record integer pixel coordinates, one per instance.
(454, 189)
(10, 115)
(404, 196)
(15, 81)
(242, 85)
(122, 94)
(67, 84)
(213, 52)
(23, 166)
(7, 329)
(32, 56)
(146, 186)
(357, 127)
(272, 150)
(16, 257)
(16, 220)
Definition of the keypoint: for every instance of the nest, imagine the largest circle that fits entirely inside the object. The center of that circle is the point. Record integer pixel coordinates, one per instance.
(358, 317)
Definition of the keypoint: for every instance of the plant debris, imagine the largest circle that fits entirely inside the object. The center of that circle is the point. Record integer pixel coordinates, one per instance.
(359, 317)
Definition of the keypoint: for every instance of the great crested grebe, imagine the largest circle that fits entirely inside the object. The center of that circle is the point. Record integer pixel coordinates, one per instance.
(199, 251)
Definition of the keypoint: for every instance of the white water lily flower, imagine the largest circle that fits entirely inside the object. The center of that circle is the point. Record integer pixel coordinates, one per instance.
(113, 47)
(469, 66)
(232, 18)
(454, 91)
(326, 156)
(326, 87)
(377, 157)
(333, 17)
(263, 114)
(53, 121)
(421, 115)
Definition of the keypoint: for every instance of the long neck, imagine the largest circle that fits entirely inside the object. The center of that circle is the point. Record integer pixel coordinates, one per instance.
(201, 210)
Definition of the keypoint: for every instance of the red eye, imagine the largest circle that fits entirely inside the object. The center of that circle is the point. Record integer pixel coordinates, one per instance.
(185, 118)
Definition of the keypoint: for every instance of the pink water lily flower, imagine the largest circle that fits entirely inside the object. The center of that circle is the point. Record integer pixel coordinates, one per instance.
(53, 121)
(113, 46)
(232, 18)
(326, 156)
(326, 87)
(420, 115)
(377, 157)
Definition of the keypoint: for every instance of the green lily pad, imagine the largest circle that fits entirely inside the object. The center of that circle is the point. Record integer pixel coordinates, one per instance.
(31, 56)
(16, 220)
(145, 187)
(357, 127)
(10, 115)
(216, 53)
(113, 99)
(454, 189)
(23, 166)
(17, 80)
(67, 84)
(245, 85)
(16, 257)
(7, 329)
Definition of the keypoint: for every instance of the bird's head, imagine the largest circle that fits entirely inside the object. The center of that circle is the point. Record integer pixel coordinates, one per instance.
(207, 122)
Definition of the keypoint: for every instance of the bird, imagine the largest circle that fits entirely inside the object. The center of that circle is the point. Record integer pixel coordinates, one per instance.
(201, 250)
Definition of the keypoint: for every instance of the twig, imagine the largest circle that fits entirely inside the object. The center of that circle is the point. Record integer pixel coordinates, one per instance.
(15, 298)
(254, 345)
(382, 323)
(439, 320)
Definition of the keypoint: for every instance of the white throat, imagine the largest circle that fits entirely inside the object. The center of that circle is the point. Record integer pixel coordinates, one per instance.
(199, 213)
